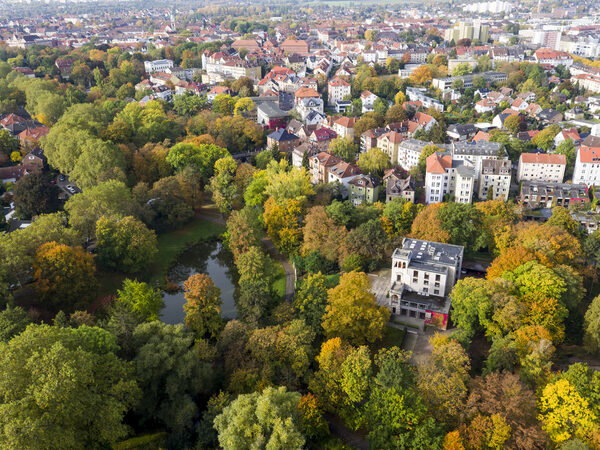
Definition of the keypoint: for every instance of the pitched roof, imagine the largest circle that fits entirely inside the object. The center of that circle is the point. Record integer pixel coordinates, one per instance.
(281, 135)
(438, 163)
(543, 158)
(481, 136)
(337, 81)
(306, 92)
(346, 122)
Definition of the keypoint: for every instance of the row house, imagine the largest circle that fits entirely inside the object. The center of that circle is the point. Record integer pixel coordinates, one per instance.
(326, 168)
(541, 167)
(539, 194)
(494, 183)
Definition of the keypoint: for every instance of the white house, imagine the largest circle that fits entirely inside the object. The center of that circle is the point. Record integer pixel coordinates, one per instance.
(445, 175)
(495, 178)
(368, 101)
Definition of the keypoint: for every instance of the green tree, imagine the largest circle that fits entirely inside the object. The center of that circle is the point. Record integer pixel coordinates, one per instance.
(110, 199)
(592, 326)
(203, 305)
(201, 158)
(561, 218)
(33, 195)
(125, 244)
(472, 305)
(224, 104)
(310, 301)
(64, 276)
(545, 138)
(513, 123)
(171, 371)
(141, 299)
(222, 187)
(13, 321)
(462, 69)
(443, 379)
(463, 222)
(266, 420)
(8, 144)
(352, 312)
(344, 148)
(45, 380)
(374, 161)
(567, 148)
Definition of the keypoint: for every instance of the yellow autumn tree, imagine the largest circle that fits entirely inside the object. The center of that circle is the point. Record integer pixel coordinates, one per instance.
(352, 312)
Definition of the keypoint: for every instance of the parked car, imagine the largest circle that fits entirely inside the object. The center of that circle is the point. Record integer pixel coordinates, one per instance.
(61, 177)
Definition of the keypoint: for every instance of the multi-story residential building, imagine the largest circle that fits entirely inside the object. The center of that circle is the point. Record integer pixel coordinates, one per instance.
(490, 77)
(322, 137)
(337, 90)
(553, 57)
(369, 138)
(344, 126)
(409, 151)
(326, 168)
(423, 275)
(541, 167)
(364, 190)
(306, 105)
(474, 153)
(418, 95)
(446, 175)
(467, 30)
(494, 179)
(158, 65)
(220, 67)
(461, 132)
(368, 101)
(538, 194)
(389, 143)
(587, 163)
(398, 186)
(285, 141)
(586, 81)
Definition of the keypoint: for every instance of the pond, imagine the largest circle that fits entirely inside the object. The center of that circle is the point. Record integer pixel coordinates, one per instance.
(211, 258)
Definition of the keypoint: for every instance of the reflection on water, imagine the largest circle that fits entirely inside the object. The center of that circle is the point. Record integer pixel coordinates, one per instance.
(212, 259)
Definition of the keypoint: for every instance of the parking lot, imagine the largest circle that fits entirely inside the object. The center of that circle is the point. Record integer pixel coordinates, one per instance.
(68, 187)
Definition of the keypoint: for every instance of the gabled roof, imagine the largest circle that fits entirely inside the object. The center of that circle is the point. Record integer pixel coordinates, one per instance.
(281, 135)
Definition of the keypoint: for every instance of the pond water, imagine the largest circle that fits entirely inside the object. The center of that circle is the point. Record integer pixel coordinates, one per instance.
(212, 259)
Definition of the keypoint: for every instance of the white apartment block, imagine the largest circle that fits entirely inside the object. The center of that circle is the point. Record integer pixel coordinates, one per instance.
(445, 175)
(418, 95)
(495, 178)
(337, 90)
(423, 275)
(158, 65)
(587, 164)
(541, 167)
(409, 151)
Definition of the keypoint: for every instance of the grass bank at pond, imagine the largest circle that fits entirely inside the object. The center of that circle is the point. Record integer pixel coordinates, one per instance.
(171, 244)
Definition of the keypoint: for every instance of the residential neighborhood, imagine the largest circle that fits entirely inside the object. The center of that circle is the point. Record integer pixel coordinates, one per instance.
(299, 225)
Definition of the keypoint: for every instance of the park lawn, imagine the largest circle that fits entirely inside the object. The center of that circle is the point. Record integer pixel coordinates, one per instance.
(279, 281)
(332, 280)
(392, 337)
(171, 244)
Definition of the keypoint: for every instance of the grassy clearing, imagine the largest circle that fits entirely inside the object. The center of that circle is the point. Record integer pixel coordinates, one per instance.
(171, 244)
(279, 281)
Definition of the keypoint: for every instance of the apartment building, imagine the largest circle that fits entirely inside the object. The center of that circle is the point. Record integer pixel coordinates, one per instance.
(489, 77)
(541, 167)
(423, 275)
(467, 30)
(158, 65)
(419, 95)
(398, 185)
(494, 179)
(337, 90)
(445, 175)
(389, 143)
(409, 151)
(587, 163)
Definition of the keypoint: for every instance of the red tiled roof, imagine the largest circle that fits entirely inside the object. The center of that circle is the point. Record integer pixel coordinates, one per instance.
(543, 158)
(438, 163)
